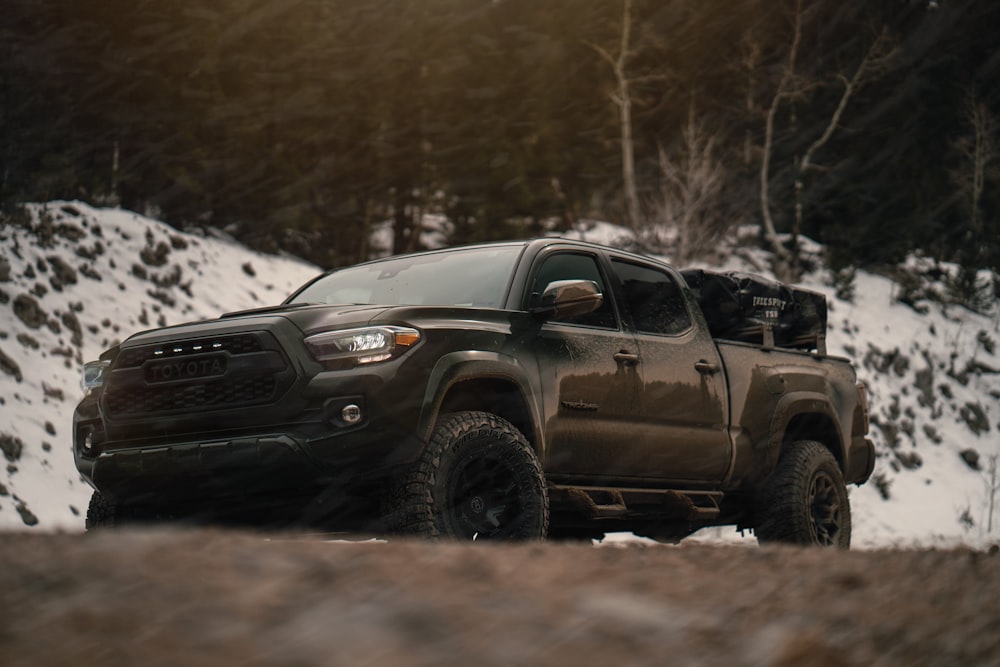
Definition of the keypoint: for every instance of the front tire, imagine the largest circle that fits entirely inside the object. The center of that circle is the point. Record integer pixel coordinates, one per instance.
(477, 479)
(805, 501)
(105, 512)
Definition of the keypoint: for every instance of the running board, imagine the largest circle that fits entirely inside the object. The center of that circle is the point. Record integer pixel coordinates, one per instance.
(601, 502)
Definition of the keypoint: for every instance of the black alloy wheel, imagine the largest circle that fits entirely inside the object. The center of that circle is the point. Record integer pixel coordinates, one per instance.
(825, 508)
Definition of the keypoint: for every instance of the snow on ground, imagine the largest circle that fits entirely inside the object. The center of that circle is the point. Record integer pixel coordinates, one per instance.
(75, 279)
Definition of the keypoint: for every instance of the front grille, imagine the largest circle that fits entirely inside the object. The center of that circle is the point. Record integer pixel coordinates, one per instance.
(233, 343)
(256, 371)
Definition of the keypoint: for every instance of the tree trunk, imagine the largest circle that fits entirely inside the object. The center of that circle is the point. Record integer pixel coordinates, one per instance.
(622, 97)
(784, 90)
(628, 160)
(625, 108)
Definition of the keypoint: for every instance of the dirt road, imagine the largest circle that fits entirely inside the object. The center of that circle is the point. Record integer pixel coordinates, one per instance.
(222, 599)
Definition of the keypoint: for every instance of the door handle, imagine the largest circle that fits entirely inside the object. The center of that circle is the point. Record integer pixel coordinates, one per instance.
(626, 358)
(705, 367)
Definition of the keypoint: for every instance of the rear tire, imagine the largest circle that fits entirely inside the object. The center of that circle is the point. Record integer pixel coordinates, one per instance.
(805, 501)
(477, 479)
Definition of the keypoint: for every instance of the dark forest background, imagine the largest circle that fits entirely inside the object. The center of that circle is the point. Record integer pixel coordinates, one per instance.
(870, 125)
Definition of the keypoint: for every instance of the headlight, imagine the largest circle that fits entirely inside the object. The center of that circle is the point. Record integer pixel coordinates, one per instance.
(93, 375)
(361, 346)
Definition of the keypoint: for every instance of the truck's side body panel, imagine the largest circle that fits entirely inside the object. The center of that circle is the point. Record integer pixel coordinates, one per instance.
(780, 396)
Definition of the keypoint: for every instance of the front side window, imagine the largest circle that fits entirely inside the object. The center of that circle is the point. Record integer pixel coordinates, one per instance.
(653, 298)
(575, 266)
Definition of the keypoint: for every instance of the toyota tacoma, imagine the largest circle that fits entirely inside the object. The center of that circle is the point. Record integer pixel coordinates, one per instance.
(512, 390)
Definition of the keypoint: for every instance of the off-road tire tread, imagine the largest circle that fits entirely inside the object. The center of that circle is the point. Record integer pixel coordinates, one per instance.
(411, 503)
(104, 512)
(783, 506)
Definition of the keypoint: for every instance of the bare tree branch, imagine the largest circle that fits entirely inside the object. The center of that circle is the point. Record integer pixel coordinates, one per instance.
(979, 150)
(601, 51)
(692, 182)
(791, 87)
(876, 56)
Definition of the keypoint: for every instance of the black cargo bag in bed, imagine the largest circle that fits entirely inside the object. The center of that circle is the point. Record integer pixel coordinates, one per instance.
(749, 308)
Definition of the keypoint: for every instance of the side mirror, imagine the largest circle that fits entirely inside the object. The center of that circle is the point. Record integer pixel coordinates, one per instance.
(568, 298)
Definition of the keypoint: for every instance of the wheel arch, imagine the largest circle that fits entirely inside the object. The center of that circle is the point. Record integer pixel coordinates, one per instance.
(817, 427)
(806, 417)
(483, 381)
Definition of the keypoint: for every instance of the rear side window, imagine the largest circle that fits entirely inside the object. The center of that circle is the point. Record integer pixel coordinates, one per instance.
(653, 298)
(575, 266)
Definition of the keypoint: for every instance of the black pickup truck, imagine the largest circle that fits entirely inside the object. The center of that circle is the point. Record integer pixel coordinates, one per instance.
(511, 390)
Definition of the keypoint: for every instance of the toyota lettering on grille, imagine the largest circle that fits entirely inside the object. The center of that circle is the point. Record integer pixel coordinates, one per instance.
(186, 369)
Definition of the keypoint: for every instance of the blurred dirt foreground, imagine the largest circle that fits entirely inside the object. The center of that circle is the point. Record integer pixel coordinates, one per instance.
(215, 598)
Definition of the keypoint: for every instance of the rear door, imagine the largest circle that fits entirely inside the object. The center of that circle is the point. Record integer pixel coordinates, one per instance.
(680, 432)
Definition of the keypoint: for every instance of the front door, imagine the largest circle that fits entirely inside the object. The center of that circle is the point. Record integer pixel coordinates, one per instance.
(589, 378)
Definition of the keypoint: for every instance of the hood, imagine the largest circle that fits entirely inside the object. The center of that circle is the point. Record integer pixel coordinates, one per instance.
(306, 317)
(311, 316)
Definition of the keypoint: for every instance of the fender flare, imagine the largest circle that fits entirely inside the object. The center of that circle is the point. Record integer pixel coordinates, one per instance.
(793, 405)
(456, 367)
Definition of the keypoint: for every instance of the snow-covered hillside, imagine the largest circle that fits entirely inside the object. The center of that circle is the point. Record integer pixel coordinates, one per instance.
(73, 279)
(934, 385)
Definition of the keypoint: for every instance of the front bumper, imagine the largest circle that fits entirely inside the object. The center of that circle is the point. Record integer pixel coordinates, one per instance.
(283, 461)
(215, 467)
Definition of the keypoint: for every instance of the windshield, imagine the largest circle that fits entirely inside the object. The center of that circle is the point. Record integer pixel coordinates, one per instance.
(473, 277)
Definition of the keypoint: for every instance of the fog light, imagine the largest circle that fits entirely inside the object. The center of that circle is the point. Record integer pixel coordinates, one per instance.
(88, 441)
(351, 414)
